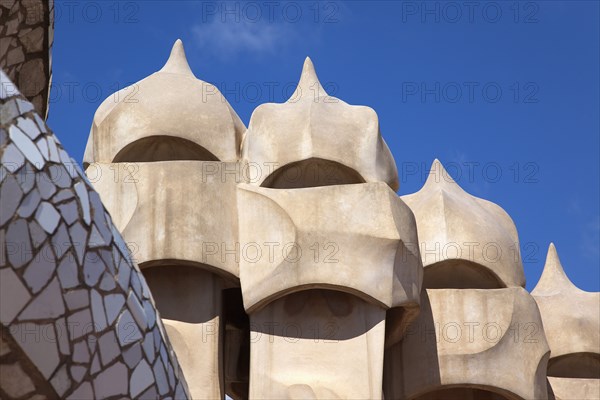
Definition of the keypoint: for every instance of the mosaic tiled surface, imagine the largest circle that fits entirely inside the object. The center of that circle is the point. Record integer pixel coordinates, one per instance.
(27, 32)
(75, 310)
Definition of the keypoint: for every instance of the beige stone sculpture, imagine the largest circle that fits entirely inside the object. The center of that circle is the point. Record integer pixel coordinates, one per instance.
(315, 139)
(165, 167)
(317, 281)
(159, 118)
(571, 319)
(281, 260)
(465, 241)
(183, 211)
(339, 248)
(471, 343)
(318, 239)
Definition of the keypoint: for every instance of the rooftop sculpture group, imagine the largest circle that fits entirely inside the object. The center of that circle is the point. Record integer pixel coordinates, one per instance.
(312, 280)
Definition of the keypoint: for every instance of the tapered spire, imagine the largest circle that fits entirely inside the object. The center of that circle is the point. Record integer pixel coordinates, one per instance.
(177, 62)
(439, 175)
(553, 279)
(309, 86)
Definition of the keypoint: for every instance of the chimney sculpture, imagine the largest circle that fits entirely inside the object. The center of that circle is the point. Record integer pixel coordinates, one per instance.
(475, 319)
(571, 319)
(333, 247)
(285, 266)
(161, 159)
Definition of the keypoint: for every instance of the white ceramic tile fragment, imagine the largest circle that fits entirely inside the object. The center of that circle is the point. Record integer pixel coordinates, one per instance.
(29, 204)
(29, 127)
(11, 195)
(40, 269)
(61, 241)
(26, 146)
(98, 311)
(61, 381)
(137, 310)
(113, 304)
(42, 146)
(38, 236)
(12, 158)
(47, 216)
(79, 239)
(45, 185)
(62, 334)
(63, 195)
(133, 355)
(127, 330)
(111, 382)
(48, 304)
(80, 324)
(78, 372)
(69, 212)
(18, 245)
(39, 343)
(83, 392)
(81, 353)
(13, 295)
(77, 299)
(141, 378)
(109, 347)
(161, 378)
(67, 272)
(92, 269)
(82, 194)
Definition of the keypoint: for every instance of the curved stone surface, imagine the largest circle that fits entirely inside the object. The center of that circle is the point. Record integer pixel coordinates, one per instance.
(174, 212)
(317, 344)
(180, 219)
(170, 115)
(76, 308)
(338, 143)
(465, 241)
(317, 238)
(573, 389)
(190, 303)
(470, 339)
(571, 321)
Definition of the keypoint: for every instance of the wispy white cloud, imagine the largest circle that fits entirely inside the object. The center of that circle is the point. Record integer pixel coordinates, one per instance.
(230, 38)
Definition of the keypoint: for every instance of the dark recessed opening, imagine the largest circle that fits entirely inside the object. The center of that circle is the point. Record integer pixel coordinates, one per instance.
(184, 293)
(311, 173)
(576, 365)
(459, 393)
(237, 345)
(163, 148)
(459, 274)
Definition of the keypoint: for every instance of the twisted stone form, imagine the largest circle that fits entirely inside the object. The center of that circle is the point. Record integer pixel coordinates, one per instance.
(571, 319)
(280, 258)
(78, 319)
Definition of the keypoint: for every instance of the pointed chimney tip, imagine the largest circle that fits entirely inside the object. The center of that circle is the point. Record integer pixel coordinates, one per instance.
(308, 83)
(177, 62)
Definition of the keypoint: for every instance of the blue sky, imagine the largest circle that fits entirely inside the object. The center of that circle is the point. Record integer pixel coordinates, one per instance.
(505, 94)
